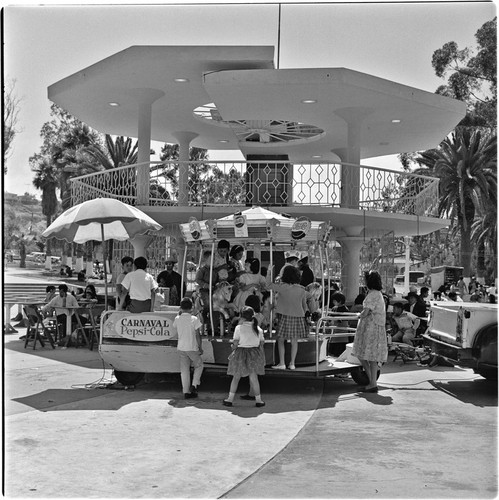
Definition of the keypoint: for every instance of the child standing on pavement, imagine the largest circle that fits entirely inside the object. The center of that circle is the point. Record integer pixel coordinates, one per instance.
(189, 348)
(247, 358)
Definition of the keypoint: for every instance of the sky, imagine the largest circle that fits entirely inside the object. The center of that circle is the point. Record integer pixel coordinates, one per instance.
(46, 43)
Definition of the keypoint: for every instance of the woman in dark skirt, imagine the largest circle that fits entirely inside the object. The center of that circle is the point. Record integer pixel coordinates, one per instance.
(247, 358)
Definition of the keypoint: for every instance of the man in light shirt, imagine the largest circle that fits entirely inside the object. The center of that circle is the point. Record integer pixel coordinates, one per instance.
(141, 287)
(64, 305)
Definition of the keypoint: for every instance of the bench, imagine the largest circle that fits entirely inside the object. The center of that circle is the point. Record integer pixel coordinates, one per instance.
(21, 293)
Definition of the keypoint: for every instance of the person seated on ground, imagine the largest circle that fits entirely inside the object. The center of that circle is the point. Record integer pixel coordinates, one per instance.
(81, 276)
(307, 275)
(68, 271)
(404, 323)
(476, 297)
(492, 298)
(64, 305)
(415, 306)
(172, 280)
(250, 283)
(141, 286)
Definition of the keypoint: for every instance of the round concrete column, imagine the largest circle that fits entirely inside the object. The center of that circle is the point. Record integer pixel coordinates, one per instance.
(350, 271)
(140, 244)
(144, 98)
(184, 140)
(350, 174)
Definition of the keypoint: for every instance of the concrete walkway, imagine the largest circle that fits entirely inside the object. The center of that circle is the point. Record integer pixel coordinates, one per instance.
(429, 433)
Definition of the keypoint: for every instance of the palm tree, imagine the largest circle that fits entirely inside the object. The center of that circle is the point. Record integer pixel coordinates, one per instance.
(46, 179)
(466, 164)
(116, 153)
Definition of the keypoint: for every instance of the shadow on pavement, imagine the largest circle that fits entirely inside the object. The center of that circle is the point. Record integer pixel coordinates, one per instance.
(280, 395)
(81, 356)
(479, 392)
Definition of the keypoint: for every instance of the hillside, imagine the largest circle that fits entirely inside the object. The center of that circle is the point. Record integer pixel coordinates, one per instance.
(22, 215)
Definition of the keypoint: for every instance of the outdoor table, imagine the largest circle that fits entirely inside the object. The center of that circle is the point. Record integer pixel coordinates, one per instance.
(19, 299)
(84, 306)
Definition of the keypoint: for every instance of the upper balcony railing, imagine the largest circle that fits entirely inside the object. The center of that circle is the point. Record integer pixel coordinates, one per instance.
(267, 183)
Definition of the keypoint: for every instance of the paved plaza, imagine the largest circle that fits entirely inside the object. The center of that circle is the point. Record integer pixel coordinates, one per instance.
(428, 433)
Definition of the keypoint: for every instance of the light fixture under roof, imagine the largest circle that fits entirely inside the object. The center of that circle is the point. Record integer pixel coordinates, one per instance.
(181, 80)
(114, 104)
(396, 121)
(317, 156)
(223, 141)
(308, 101)
(260, 133)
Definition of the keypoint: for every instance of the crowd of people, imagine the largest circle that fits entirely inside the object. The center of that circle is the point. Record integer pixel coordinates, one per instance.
(249, 287)
(459, 291)
(60, 303)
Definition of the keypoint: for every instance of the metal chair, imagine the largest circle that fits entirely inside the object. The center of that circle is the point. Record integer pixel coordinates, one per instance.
(92, 331)
(36, 326)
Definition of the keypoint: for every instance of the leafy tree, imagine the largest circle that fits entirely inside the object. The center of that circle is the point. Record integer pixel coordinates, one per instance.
(46, 179)
(10, 119)
(65, 139)
(207, 183)
(466, 163)
(473, 75)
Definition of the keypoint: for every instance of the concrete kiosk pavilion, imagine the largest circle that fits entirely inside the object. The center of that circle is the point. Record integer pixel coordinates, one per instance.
(303, 133)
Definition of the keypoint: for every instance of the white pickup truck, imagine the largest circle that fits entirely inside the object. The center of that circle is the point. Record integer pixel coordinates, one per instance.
(465, 333)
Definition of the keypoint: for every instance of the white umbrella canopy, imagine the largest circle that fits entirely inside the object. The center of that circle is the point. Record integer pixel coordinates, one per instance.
(84, 222)
(100, 219)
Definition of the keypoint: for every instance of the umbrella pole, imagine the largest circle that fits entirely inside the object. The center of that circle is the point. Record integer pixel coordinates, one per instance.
(105, 271)
(271, 298)
(210, 295)
(181, 291)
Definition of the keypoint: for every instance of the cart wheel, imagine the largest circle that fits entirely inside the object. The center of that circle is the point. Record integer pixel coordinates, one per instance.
(128, 378)
(360, 377)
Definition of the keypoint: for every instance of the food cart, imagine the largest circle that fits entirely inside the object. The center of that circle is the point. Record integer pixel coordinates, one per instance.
(135, 344)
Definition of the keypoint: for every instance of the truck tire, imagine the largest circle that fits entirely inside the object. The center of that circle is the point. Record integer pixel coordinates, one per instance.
(360, 377)
(128, 378)
(485, 349)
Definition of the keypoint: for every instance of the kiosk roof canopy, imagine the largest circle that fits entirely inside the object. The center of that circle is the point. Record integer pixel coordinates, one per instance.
(253, 107)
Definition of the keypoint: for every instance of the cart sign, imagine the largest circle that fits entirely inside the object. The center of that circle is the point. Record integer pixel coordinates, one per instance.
(240, 226)
(144, 327)
(194, 228)
(300, 228)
